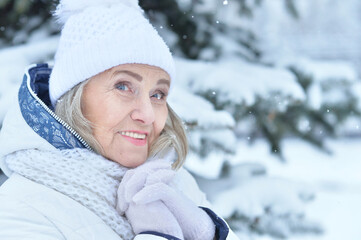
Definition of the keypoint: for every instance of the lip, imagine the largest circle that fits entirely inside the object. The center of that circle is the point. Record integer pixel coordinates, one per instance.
(135, 141)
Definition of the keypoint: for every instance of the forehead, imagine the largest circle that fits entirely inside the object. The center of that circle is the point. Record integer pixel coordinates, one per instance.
(141, 69)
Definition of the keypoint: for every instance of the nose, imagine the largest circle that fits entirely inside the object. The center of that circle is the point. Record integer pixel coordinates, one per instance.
(143, 111)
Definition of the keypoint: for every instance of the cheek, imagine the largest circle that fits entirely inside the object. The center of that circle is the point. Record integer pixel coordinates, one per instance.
(92, 102)
(101, 109)
(160, 121)
(98, 109)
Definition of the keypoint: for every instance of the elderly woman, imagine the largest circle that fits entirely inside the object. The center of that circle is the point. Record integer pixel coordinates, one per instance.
(92, 149)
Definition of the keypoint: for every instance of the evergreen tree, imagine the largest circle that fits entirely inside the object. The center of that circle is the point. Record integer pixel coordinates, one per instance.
(195, 30)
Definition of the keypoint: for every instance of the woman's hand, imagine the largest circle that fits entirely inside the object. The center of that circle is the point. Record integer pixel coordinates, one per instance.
(152, 216)
(145, 191)
(195, 223)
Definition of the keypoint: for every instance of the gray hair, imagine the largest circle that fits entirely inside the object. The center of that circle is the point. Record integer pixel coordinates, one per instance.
(173, 135)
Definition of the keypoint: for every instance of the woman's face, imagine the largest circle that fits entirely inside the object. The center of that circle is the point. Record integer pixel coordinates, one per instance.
(127, 108)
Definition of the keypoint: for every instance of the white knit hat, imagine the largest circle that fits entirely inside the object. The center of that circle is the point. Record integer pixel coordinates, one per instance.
(100, 34)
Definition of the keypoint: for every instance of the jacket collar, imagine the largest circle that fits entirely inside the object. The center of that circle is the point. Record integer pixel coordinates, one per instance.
(38, 112)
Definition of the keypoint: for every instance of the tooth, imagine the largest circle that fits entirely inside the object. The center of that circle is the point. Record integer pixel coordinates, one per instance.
(133, 135)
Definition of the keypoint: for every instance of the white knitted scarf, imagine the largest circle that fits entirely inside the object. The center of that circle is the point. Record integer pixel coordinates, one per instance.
(84, 176)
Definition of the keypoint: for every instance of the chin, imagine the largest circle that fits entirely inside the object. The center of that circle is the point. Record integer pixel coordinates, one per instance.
(132, 164)
(133, 161)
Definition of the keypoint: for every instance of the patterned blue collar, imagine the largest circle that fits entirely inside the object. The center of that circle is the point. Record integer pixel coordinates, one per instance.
(39, 114)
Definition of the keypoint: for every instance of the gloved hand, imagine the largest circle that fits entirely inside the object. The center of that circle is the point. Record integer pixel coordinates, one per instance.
(195, 223)
(152, 216)
(135, 179)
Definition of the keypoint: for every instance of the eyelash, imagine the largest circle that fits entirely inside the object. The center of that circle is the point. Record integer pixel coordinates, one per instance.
(163, 95)
(121, 85)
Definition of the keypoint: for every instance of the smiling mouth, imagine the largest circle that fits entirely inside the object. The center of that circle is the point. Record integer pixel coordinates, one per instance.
(136, 138)
(134, 135)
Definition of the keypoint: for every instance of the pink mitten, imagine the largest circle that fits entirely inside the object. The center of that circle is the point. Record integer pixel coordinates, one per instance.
(135, 179)
(195, 223)
(152, 216)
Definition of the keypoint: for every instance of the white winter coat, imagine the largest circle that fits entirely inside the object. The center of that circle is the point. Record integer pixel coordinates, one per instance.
(29, 210)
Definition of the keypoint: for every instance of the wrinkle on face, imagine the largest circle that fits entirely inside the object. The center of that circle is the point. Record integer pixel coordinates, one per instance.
(126, 98)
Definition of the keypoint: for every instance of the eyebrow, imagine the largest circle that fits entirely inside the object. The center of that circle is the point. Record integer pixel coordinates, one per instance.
(130, 73)
(164, 81)
(140, 78)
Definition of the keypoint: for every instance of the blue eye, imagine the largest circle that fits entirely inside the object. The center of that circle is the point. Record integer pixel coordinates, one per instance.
(122, 86)
(159, 96)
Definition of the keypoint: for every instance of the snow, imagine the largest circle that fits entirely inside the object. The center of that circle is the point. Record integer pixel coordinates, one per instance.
(237, 81)
(340, 214)
(254, 196)
(318, 193)
(28, 53)
(339, 169)
(326, 29)
(196, 110)
(222, 137)
(329, 80)
(334, 179)
(351, 127)
(321, 70)
(315, 100)
(269, 205)
(209, 168)
(13, 62)
(225, 138)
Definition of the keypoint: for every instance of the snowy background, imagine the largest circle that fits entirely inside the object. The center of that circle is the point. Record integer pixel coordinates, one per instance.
(275, 140)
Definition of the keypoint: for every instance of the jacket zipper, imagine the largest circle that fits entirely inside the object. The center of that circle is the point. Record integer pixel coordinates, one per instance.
(48, 110)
